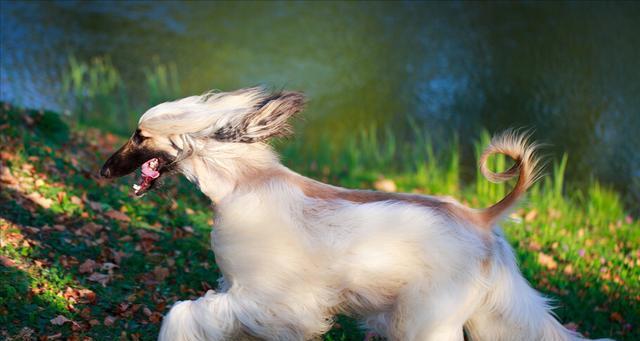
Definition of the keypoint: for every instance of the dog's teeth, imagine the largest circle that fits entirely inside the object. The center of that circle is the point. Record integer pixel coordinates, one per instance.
(136, 187)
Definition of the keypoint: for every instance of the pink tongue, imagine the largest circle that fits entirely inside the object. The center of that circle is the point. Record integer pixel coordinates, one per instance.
(147, 171)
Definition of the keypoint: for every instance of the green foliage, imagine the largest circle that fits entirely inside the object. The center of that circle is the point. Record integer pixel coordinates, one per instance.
(162, 82)
(99, 97)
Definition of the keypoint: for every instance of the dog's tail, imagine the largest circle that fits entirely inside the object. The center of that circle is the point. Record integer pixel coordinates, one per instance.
(516, 146)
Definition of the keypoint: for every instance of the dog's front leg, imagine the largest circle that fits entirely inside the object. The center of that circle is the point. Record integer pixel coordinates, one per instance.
(209, 318)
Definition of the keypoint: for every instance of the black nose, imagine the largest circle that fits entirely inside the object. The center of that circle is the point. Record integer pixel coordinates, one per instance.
(105, 172)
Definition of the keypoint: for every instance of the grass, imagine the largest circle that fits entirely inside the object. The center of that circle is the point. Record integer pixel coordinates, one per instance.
(72, 245)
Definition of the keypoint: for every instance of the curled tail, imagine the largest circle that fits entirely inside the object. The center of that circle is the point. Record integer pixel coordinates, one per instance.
(516, 146)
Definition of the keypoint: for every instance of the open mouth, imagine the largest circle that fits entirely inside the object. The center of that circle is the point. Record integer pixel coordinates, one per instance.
(150, 172)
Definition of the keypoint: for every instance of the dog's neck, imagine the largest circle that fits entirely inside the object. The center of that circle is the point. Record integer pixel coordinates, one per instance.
(218, 176)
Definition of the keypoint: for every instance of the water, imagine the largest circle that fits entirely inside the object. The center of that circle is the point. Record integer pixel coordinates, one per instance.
(569, 70)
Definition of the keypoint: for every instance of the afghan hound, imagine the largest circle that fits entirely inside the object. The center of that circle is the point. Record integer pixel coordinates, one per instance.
(294, 252)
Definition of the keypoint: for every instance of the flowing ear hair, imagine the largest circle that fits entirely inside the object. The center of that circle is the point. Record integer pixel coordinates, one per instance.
(268, 118)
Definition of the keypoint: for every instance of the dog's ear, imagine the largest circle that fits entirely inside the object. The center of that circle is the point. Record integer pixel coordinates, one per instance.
(268, 119)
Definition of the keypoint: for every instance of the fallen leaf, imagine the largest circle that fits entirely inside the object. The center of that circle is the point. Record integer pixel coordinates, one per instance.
(117, 215)
(4, 155)
(89, 229)
(531, 215)
(96, 206)
(109, 266)
(100, 278)
(160, 273)
(6, 261)
(87, 296)
(109, 320)
(85, 313)
(7, 177)
(87, 267)
(568, 270)
(59, 320)
(122, 307)
(155, 317)
(617, 317)
(144, 234)
(385, 185)
(534, 246)
(39, 199)
(547, 261)
(76, 200)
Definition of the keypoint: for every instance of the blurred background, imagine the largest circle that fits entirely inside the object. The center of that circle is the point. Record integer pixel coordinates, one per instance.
(569, 71)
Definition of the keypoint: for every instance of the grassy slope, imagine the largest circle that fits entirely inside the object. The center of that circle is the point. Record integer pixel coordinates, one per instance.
(74, 246)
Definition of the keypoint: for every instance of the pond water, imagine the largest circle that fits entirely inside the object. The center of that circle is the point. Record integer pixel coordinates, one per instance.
(571, 71)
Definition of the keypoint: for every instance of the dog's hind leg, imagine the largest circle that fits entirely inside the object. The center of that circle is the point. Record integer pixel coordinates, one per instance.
(435, 312)
(208, 318)
(512, 309)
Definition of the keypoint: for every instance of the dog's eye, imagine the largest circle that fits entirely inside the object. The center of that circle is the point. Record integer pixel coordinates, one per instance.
(138, 138)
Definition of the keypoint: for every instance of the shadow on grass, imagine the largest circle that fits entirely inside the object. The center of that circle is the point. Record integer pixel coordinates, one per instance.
(27, 299)
(44, 261)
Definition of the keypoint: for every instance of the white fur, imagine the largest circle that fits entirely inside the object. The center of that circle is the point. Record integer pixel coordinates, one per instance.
(291, 261)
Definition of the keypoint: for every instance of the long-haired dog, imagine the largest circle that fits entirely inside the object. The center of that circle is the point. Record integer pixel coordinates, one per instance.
(294, 252)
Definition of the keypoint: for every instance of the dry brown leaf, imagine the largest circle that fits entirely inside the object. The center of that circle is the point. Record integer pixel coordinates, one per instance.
(61, 196)
(144, 234)
(52, 337)
(89, 229)
(87, 266)
(7, 177)
(99, 278)
(534, 246)
(117, 215)
(568, 270)
(109, 266)
(59, 320)
(155, 317)
(109, 320)
(87, 296)
(160, 273)
(6, 261)
(616, 317)
(39, 199)
(4, 155)
(531, 215)
(96, 206)
(547, 261)
(76, 200)
(385, 185)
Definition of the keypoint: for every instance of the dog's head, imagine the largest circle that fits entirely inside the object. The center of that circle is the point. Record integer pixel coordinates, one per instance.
(172, 132)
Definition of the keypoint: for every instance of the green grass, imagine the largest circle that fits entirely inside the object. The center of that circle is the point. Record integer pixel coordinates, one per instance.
(574, 243)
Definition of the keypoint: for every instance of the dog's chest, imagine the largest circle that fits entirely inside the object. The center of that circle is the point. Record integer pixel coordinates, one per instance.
(253, 240)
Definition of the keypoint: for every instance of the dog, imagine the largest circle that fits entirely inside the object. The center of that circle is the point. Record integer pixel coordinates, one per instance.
(294, 252)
